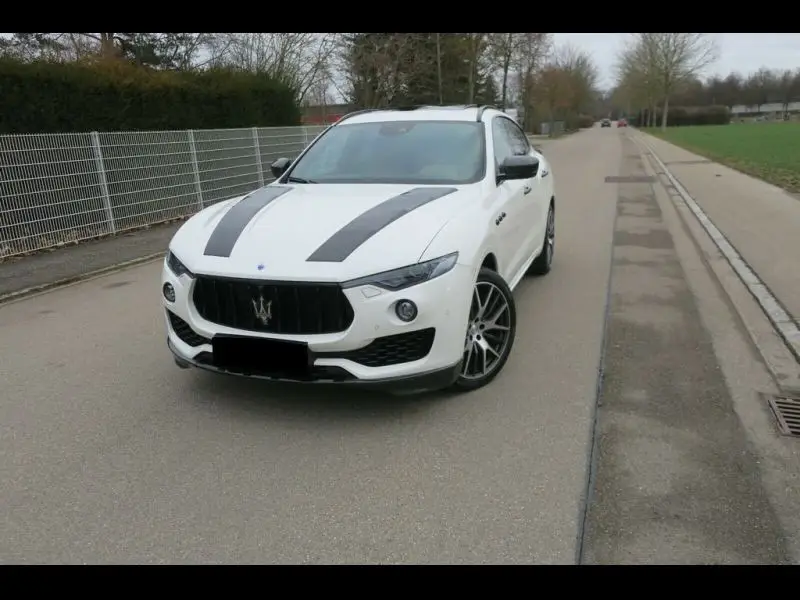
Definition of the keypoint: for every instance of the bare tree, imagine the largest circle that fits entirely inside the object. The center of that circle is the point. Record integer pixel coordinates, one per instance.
(678, 57)
(177, 51)
(32, 46)
(376, 67)
(759, 87)
(582, 73)
(503, 48)
(109, 43)
(181, 51)
(566, 86)
(439, 66)
(476, 44)
(297, 59)
(788, 88)
(637, 74)
(531, 52)
(752, 91)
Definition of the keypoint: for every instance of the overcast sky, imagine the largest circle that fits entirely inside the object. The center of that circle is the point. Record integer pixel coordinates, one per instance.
(743, 52)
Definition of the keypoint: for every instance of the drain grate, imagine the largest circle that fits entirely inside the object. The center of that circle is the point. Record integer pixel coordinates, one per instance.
(631, 179)
(787, 414)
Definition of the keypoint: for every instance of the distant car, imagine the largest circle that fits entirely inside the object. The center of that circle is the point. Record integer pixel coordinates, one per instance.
(622, 123)
(605, 123)
(386, 253)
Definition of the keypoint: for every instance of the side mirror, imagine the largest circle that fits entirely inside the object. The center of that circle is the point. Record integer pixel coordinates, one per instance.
(519, 167)
(279, 167)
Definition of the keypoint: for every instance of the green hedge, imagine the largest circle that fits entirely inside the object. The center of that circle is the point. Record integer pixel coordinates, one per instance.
(681, 116)
(47, 97)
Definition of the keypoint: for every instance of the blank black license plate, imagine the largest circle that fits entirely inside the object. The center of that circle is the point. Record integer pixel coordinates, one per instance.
(258, 356)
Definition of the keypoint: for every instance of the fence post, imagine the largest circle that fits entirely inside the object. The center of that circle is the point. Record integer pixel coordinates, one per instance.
(305, 137)
(258, 158)
(195, 169)
(101, 174)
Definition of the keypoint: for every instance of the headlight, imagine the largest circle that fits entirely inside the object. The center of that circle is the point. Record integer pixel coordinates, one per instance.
(177, 266)
(398, 279)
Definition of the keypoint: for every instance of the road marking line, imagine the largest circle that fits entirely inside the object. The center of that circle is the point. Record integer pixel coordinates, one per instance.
(781, 320)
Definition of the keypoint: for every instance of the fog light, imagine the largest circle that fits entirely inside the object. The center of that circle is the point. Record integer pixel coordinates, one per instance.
(406, 310)
(169, 292)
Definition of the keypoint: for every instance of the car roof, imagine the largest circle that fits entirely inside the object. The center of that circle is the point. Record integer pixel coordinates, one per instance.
(467, 113)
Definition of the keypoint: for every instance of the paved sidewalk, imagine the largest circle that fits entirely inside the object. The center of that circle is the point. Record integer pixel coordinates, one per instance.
(70, 262)
(760, 220)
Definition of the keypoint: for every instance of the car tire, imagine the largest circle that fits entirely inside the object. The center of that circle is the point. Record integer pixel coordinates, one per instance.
(500, 322)
(544, 262)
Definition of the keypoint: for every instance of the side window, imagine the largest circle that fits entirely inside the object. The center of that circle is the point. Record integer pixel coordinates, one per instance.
(518, 139)
(502, 142)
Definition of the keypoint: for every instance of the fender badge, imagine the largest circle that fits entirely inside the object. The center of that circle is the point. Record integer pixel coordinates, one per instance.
(260, 267)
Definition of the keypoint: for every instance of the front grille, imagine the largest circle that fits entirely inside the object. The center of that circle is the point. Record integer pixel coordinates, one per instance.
(293, 308)
(391, 349)
(186, 334)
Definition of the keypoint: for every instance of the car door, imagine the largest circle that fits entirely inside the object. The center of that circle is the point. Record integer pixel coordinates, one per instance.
(508, 215)
(533, 210)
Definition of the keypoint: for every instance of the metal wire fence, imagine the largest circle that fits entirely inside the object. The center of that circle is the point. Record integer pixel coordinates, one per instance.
(61, 188)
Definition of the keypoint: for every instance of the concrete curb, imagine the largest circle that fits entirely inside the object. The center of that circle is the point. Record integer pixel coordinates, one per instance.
(45, 287)
(782, 322)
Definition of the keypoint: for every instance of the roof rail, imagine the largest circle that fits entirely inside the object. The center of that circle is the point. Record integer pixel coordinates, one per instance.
(450, 106)
(482, 108)
(358, 112)
(418, 107)
(369, 110)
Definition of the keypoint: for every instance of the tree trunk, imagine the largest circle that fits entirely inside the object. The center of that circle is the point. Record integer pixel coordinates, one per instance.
(471, 92)
(107, 49)
(439, 65)
(665, 113)
(506, 67)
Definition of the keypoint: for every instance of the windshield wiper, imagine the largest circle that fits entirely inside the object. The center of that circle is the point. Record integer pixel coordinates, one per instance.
(293, 179)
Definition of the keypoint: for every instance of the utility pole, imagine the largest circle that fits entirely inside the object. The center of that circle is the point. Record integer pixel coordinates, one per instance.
(439, 66)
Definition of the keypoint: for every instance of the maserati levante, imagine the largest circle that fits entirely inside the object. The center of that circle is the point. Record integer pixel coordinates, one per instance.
(385, 254)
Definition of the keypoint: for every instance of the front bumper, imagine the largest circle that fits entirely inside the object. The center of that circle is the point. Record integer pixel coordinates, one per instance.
(376, 350)
(418, 382)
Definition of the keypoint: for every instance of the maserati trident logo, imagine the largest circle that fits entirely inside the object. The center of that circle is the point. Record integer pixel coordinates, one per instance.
(263, 310)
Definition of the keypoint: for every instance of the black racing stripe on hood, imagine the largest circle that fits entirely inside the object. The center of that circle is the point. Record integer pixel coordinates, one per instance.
(230, 227)
(345, 241)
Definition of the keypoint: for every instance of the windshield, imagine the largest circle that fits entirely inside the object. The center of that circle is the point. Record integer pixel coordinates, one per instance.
(406, 152)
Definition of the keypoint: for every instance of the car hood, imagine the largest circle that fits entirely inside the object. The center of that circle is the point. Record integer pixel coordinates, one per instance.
(316, 232)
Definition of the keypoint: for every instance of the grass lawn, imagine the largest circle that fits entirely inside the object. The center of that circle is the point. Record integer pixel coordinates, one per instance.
(770, 151)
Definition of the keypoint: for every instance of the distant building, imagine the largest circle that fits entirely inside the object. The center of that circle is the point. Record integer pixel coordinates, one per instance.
(324, 115)
(771, 108)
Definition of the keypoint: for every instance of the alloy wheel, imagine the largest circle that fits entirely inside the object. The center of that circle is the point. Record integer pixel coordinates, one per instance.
(488, 332)
(550, 236)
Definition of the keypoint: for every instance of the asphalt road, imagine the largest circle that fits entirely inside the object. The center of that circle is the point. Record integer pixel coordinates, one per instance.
(112, 454)
(681, 429)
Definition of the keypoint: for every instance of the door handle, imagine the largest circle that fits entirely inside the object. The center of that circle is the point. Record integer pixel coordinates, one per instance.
(526, 189)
